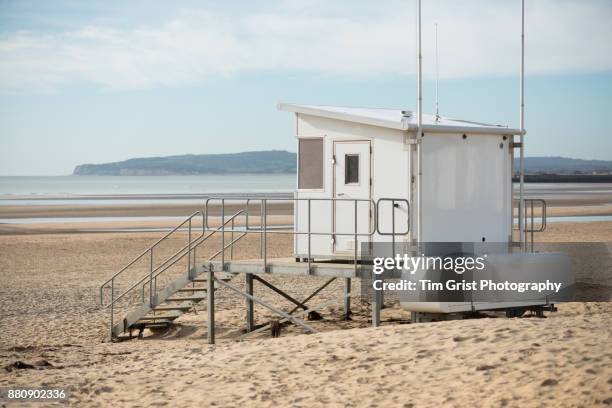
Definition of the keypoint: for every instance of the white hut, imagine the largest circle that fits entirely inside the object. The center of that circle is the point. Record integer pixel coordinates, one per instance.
(359, 153)
(465, 196)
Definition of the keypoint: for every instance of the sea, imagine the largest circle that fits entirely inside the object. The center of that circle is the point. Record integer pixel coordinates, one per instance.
(91, 190)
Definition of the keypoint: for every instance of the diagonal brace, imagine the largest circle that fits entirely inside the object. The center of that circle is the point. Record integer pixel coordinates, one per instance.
(303, 312)
(315, 293)
(266, 305)
(280, 292)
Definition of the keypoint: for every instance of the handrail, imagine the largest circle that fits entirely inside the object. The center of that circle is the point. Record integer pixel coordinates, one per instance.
(542, 215)
(153, 246)
(194, 246)
(373, 227)
(394, 203)
(150, 278)
(156, 271)
(529, 204)
(232, 242)
(371, 231)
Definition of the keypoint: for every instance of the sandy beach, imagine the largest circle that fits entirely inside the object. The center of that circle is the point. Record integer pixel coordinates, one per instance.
(49, 297)
(270, 204)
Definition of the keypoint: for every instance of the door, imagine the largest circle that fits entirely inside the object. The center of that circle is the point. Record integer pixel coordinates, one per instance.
(352, 180)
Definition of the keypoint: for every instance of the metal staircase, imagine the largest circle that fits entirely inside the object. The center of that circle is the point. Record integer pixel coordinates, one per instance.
(139, 303)
(161, 307)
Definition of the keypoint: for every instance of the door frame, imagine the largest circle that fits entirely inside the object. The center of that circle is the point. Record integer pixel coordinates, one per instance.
(370, 181)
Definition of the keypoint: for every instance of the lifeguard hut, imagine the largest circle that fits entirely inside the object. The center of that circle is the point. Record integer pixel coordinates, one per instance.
(365, 176)
(358, 181)
(369, 155)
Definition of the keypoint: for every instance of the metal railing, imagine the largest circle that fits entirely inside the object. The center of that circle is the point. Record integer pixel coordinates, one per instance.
(243, 206)
(149, 251)
(263, 229)
(150, 278)
(530, 226)
(195, 244)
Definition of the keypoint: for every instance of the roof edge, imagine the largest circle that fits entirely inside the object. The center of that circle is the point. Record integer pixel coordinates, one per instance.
(289, 107)
(402, 125)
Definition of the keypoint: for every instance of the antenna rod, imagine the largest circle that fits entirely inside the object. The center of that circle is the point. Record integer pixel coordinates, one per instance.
(522, 128)
(437, 77)
(419, 124)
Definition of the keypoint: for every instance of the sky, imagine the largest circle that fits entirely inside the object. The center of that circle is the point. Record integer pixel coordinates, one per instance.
(99, 81)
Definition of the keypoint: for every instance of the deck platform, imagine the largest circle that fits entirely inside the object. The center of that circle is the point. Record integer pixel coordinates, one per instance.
(289, 266)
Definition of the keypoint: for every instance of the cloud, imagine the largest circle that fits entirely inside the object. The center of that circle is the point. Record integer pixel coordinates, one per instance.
(476, 38)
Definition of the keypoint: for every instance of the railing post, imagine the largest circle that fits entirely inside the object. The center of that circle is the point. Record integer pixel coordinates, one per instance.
(189, 252)
(112, 308)
(194, 258)
(355, 241)
(347, 299)
(261, 228)
(211, 305)
(265, 234)
(222, 234)
(309, 241)
(232, 241)
(151, 277)
(531, 226)
(523, 233)
(347, 281)
(250, 321)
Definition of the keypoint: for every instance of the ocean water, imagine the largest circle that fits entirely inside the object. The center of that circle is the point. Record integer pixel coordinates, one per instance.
(124, 187)
(110, 190)
(87, 190)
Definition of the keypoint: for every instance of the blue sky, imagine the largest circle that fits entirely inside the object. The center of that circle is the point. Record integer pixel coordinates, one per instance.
(87, 82)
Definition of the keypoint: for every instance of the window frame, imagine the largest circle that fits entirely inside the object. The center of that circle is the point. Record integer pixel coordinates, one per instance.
(358, 182)
(318, 189)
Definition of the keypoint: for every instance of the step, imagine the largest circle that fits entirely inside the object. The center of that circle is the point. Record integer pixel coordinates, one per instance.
(158, 325)
(167, 318)
(170, 308)
(182, 299)
(192, 290)
(201, 280)
(224, 276)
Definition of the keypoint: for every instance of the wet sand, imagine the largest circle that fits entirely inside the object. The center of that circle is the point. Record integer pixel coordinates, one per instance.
(131, 210)
(279, 214)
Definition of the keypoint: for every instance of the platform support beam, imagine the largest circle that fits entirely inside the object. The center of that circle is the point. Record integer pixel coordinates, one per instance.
(347, 298)
(376, 306)
(210, 297)
(250, 320)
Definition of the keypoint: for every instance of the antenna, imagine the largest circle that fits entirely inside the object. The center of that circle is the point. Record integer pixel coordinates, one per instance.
(522, 136)
(437, 76)
(419, 135)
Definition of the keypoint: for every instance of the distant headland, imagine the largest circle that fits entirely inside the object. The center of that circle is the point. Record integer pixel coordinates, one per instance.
(262, 162)
(543, 169)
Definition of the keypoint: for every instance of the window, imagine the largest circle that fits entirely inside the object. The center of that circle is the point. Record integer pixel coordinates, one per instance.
(351, 168)
(310, 164)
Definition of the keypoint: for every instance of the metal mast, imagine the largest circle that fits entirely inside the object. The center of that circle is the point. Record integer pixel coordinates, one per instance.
(522, 128)
(437, 76)
(419, 135)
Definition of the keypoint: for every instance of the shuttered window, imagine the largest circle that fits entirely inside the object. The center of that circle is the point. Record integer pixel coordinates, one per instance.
(310, 164)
